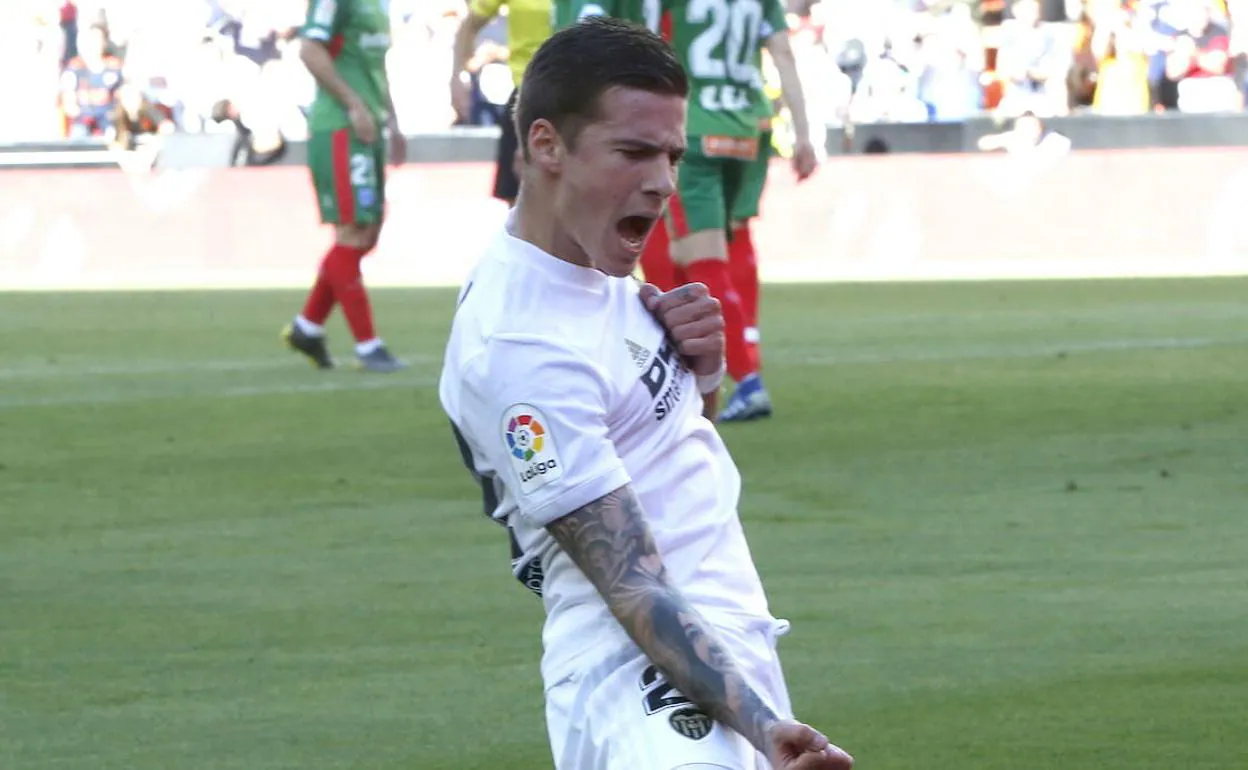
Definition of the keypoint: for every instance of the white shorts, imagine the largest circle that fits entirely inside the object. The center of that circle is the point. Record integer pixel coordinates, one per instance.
(623, 715)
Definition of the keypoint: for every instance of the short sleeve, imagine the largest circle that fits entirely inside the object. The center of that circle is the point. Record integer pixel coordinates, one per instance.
(538, 412)
(774, 20)
(322, 20)
(486, 9)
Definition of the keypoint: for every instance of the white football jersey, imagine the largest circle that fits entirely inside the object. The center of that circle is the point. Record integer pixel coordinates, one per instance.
(562, 387)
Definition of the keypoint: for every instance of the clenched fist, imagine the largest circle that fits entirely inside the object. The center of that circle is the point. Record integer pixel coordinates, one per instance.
(695, 322)
(795, 746)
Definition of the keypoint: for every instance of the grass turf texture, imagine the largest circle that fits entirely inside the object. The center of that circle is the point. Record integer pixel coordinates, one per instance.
(1007, 520)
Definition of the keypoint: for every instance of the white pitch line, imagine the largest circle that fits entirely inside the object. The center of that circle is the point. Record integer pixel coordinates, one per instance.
(1023, 350)
(1047, 318)
(369, 382)
(43, 370)
(38, 371)
(329, 386)
(366, 382)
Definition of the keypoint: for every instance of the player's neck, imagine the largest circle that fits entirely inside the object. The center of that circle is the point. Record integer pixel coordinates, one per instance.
(535, 222)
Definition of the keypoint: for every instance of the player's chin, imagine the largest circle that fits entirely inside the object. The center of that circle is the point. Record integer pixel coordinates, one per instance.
(619, 263)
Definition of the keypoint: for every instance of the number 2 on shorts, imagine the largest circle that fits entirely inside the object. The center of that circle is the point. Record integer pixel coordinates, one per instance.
(659, 695)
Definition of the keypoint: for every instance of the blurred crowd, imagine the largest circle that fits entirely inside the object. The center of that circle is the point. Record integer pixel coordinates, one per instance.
(123, 68)
(937, 60)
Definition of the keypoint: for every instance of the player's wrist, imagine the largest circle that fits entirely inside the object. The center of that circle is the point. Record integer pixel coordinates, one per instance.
(709, 383)
(765, 726)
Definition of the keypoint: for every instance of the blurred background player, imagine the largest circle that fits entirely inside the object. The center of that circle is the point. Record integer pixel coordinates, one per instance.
(528, 26)
(345, 43)
(751, 401)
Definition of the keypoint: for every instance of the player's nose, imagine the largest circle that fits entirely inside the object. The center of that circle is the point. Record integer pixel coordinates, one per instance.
(660, 178)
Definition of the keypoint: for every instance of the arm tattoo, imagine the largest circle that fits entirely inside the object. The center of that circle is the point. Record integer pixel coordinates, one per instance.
(610, 541)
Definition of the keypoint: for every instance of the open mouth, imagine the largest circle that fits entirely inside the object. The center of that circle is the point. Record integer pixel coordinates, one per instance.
(634, 229)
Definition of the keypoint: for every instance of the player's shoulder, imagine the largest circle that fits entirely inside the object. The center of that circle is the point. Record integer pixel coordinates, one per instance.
(512, 317)
(532, 362)
(518, 325)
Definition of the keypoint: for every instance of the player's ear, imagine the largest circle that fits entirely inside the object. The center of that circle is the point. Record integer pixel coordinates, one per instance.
(545, 146)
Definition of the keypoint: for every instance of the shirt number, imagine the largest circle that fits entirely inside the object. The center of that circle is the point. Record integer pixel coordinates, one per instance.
(361, 170)
(726, 48)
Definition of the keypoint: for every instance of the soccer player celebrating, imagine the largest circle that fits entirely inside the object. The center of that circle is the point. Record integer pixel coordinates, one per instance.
(344, 47)
(573, 392)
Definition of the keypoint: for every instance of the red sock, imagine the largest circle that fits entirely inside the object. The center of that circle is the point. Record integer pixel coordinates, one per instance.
(743, 264)
(714, 273)
(320, 302)
(341, 270)
(656, 259)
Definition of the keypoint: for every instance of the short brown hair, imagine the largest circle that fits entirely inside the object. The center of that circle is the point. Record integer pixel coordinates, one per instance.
(577, 64)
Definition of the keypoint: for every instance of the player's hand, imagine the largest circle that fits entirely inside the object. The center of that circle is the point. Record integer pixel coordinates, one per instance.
(398, 145)
(805, 160)
(795, 746)
(695, 322)
(363, 124)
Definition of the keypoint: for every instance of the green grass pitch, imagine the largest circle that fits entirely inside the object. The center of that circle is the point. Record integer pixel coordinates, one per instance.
(1008, 521)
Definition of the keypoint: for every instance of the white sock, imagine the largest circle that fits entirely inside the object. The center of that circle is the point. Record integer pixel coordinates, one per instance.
(309, 328)
(368, 346)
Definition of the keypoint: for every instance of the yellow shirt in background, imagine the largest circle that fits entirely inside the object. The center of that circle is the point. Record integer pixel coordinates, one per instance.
(1122, 86)
(528, 26)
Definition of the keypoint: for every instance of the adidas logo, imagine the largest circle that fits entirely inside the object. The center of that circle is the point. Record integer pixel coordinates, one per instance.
(640, 355)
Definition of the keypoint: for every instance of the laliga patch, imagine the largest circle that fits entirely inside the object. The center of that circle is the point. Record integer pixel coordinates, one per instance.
(530, 447)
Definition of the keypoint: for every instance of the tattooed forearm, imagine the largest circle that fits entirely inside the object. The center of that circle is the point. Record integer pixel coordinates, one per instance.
(610, 541)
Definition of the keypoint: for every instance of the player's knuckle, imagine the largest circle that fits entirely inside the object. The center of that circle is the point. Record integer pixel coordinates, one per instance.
(693, 291)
